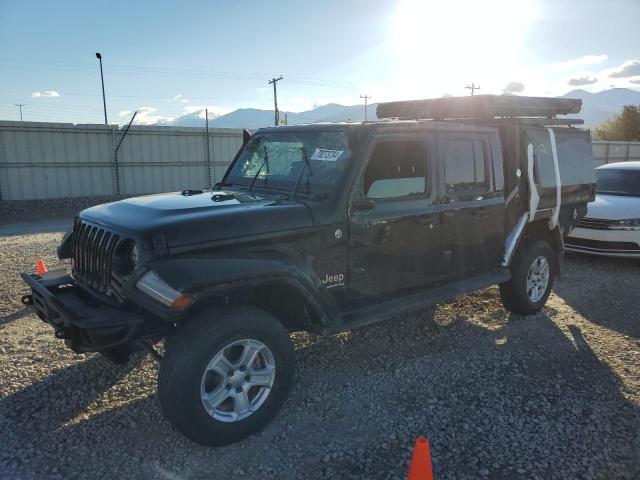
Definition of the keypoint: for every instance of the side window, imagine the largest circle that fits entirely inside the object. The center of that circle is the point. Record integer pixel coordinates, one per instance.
(464, 165)
(396, 169)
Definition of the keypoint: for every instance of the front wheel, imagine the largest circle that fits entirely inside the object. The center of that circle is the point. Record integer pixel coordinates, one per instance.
(533, 271)
(226, 374)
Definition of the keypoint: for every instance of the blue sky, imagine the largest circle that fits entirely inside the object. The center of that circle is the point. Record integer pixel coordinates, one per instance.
(167, 59)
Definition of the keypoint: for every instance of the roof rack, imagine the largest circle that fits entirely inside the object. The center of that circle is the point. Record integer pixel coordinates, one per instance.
(480, 107)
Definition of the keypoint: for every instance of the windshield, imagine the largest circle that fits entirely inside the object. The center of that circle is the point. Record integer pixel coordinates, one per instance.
(279, 160)
(618, 182)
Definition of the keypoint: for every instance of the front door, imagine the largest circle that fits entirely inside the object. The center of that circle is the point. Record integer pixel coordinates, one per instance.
(394, 219)
(471, 210)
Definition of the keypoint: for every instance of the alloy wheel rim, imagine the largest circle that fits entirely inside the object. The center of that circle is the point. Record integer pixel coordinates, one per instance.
(538, 279)
(237, 380)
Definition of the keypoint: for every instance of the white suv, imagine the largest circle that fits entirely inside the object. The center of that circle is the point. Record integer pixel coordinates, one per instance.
(612, 224)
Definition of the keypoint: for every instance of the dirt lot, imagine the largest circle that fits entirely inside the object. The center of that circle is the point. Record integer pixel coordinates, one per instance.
(499, 396)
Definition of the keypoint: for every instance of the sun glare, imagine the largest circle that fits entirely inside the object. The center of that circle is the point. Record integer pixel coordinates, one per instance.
(440, 45)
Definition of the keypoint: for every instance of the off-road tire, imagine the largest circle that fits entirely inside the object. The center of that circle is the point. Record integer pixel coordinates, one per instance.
(187, 356)
(514, 292)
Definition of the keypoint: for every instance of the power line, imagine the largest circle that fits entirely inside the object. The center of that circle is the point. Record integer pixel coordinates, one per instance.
(186, 73)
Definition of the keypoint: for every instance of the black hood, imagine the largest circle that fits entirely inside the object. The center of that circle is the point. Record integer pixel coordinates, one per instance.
(200, 217)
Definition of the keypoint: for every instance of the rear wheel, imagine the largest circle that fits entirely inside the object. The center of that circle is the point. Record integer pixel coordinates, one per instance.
(533, 272)
(226, 374)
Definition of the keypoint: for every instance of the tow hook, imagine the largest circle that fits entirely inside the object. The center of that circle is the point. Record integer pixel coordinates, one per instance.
(27, 299)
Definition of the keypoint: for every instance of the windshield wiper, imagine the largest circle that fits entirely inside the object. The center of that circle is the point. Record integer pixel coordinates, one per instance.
(264, 162)
(306, 167)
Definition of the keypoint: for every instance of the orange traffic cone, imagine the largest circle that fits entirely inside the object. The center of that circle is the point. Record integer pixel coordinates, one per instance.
(421, 468)
(40, 267)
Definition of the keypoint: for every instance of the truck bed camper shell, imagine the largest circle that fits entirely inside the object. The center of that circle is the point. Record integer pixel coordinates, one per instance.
(543, 156)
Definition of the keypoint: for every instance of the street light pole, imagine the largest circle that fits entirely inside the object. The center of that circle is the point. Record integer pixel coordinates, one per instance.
(20, 105)
(104, 100)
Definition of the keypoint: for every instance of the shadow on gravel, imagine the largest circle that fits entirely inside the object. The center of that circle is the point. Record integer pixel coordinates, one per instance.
(519, 401)
(513, 395)
(610, 300)
(43, 407)
(25, 312)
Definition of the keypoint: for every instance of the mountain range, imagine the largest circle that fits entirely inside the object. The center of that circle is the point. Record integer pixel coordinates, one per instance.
(601, 106)
(596, 108)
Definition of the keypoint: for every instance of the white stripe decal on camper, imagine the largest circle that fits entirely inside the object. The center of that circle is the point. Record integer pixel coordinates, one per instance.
(553, 222)
(534, 198)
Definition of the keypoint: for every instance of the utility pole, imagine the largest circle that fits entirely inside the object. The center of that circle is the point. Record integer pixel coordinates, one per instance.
(104, 100)
(473, 88)
(20, 105)
(206, 132)
(275, 99)
(366, 99)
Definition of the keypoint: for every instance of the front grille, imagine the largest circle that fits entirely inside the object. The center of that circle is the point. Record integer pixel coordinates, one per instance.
(93, 248)
(601, 244)
(597, 223)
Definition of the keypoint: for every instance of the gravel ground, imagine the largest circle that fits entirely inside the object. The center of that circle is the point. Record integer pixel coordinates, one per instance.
(499, 396)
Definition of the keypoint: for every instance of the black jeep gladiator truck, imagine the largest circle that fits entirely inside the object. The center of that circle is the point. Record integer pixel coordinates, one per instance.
(325, 228)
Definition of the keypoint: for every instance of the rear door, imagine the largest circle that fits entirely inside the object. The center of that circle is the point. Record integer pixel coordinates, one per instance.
(471, 210)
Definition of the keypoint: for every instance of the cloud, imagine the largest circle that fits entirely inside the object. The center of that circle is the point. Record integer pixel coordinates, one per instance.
(146, 116)
(627, 69)
(580, 81)
(46, 93)
(637, 82)
(578, 62)
(514, 87)
(179, 98)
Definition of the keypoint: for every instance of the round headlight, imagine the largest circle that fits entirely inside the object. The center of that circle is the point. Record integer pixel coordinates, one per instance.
(126, 257)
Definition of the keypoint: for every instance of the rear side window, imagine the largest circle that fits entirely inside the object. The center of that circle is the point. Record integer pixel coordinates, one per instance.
(396, 169)
(464, 165)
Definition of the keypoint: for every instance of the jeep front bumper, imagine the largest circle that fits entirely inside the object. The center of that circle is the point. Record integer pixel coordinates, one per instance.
(85, 323)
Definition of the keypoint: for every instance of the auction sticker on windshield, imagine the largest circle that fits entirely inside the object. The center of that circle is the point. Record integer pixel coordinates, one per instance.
(326, 155)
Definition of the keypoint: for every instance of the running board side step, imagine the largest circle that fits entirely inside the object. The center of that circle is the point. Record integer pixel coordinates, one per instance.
(382, 311)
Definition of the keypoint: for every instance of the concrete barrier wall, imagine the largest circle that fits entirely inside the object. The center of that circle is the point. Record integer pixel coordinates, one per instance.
(59, 160)
(62, 160)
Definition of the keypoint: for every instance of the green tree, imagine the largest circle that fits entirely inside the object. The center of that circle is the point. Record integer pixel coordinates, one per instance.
(625, 126)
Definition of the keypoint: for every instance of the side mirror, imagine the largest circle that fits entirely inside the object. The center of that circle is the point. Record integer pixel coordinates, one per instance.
(362, 204)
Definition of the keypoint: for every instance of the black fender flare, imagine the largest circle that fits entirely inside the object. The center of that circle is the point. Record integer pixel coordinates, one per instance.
(209, 277)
